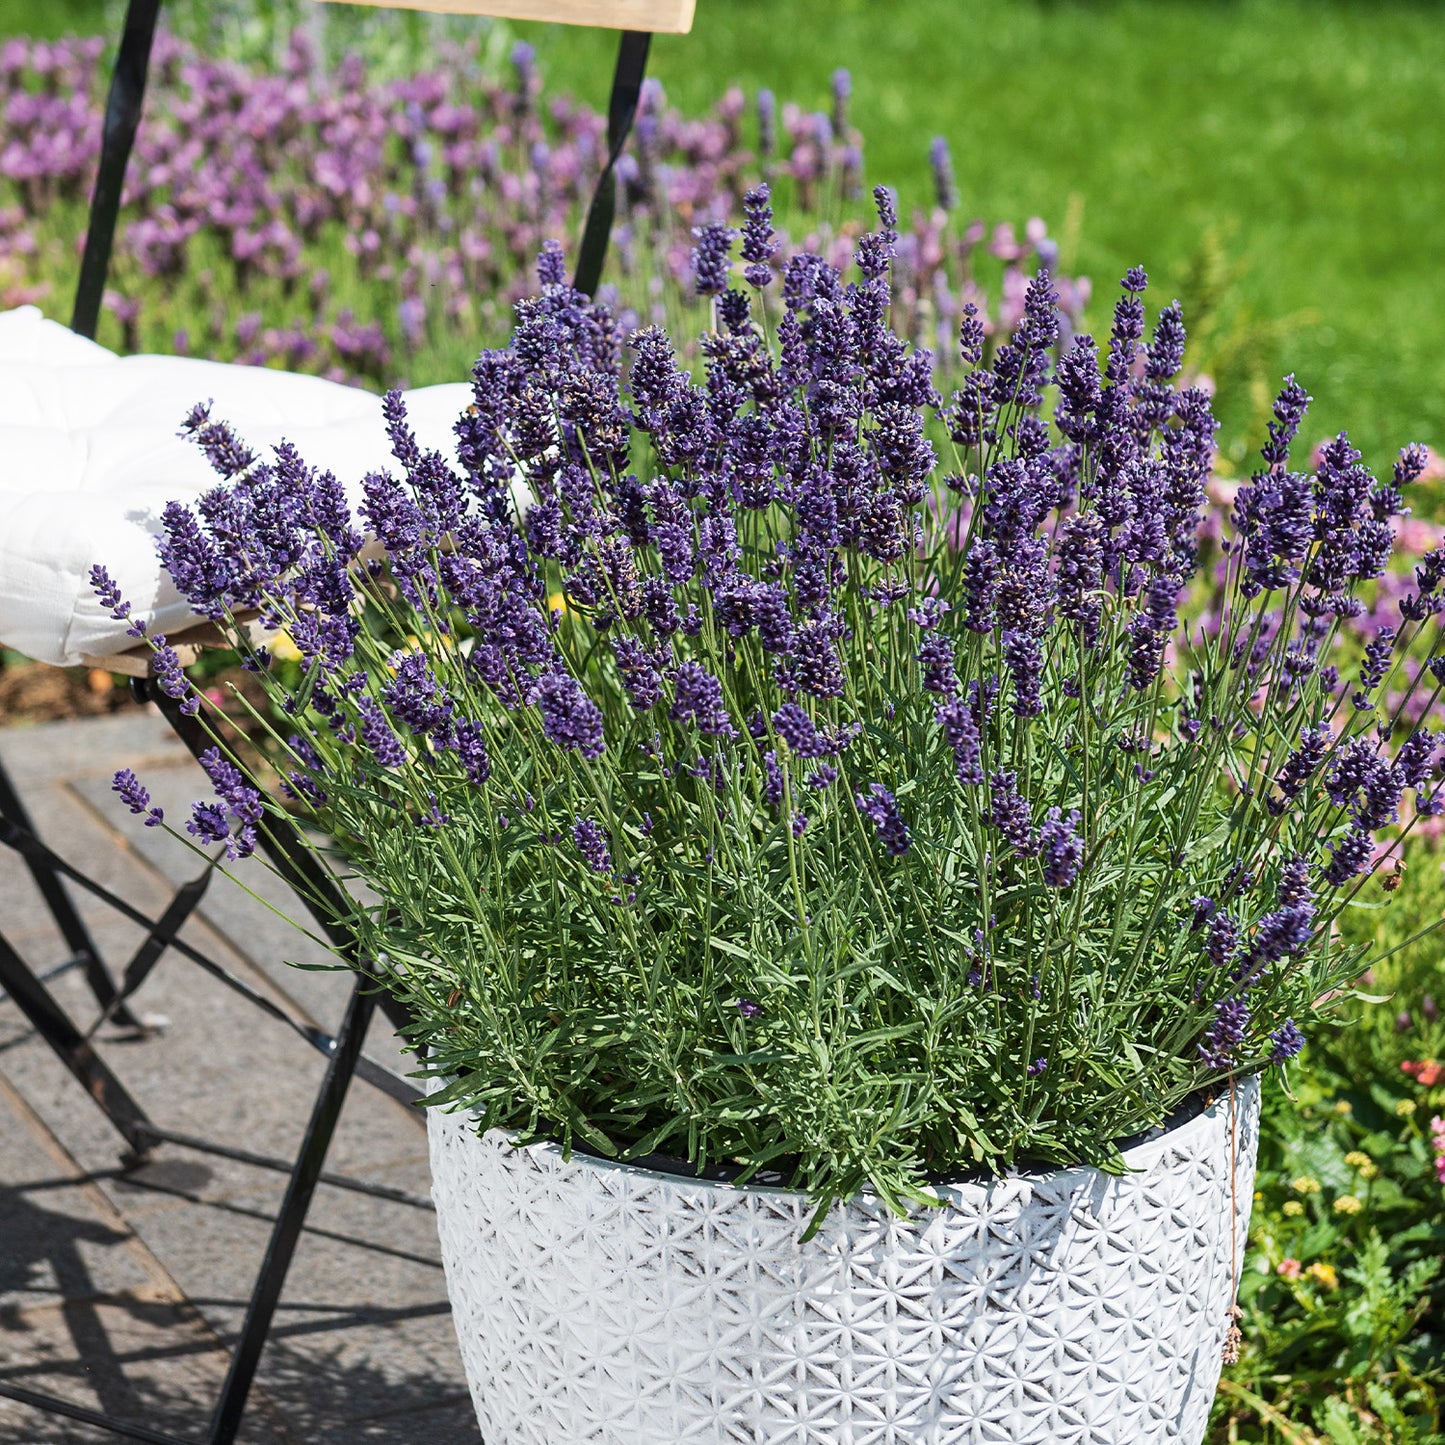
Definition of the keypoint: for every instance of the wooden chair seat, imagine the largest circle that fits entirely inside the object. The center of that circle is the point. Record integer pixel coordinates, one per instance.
(661, 16)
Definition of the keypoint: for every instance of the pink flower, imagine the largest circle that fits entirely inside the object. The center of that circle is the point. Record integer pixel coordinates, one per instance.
(1426, 1073)
(1290, 1268)
(1437, 1142)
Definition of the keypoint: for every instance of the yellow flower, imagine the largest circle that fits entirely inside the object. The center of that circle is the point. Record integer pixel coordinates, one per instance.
(557, 602)
(1293, 1208)
(1343, 1106)
(1305, 1185)
(1324, 1274)
(1357, 1158)
(1348, 1204)
(1405, 1108)
(283, 649)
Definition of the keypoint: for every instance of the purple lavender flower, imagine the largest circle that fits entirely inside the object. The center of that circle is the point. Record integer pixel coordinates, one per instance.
(767, 124)
(1009, 812)
(228, 456)
(1060, 847)
(747, 1008)
(945, 187)
(171, 678)
(1222, 945)
(1289, 411)
(415, 697)
(1304, 762)
(1037, 1067)
(710, 258)
(1226, 1033)
(980, 586)
(569, 717)
(209, 823)
(1287, 1041)
(935, 658)
(1353, 764)
(1379, 654)
(639, 670)
(960, 728)
(136, 797)
(772, 779)
(881, 809)
(108, 591)
(1415, 761)
(592, 845)
(759, 242)
(799, 731)
(377, 734)
(1349, 856)
(929, 613)
(1288, 929)
(471, 751)
(1023, 656)
(551, 264)
(698, 698)
(971, 336)
(1378, 804)
(231, 785)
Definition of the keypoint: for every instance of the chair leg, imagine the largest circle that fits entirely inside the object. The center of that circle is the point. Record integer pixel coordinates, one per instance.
(62, 910)
(122, 117)
(52, 1023)
(287, 1232)
(621, 112)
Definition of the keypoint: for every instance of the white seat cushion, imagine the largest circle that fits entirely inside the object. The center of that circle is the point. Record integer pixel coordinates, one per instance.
(89, 456)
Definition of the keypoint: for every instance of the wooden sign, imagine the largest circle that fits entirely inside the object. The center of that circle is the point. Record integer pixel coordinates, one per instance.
(673, 17)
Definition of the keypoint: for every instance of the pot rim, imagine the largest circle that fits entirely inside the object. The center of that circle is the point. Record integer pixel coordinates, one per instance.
(1139, 1155)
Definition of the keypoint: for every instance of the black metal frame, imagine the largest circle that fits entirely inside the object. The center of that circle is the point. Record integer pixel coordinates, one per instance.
(140, 1135)
(278, 840)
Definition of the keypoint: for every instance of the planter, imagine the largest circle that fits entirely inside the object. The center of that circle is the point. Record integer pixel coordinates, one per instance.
(597, 1302)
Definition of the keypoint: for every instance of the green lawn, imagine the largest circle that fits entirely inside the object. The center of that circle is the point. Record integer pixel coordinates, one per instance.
(1295, 146)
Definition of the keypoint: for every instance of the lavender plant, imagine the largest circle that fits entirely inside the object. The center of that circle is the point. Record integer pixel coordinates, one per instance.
(786, 767)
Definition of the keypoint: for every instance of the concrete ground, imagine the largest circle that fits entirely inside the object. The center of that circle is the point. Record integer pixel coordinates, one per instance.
(121, 1291)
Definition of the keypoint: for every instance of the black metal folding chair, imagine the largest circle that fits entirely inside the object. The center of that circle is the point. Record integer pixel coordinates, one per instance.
(75, 1045)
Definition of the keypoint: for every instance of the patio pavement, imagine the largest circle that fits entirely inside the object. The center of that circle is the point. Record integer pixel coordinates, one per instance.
(121, 1291)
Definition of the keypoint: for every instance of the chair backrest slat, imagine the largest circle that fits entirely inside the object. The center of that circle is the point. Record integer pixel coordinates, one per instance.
(669, 16)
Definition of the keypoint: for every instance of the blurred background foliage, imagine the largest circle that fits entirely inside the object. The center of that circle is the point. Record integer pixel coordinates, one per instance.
(1277, 164)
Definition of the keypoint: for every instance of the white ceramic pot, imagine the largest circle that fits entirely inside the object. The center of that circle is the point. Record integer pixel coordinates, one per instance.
(601, 1303)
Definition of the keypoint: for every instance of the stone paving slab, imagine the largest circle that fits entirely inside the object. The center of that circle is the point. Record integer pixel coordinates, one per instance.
(121, 1290)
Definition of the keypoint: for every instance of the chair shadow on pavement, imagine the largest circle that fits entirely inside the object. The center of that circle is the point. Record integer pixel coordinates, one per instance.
(149, 1356)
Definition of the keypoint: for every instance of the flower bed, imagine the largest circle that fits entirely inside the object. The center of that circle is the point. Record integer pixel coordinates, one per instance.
(318, 221)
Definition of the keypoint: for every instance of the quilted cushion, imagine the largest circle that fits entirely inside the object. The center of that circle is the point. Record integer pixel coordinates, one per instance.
(89, 456)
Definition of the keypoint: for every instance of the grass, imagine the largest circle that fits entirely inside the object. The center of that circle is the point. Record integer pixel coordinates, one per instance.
(1284, 155)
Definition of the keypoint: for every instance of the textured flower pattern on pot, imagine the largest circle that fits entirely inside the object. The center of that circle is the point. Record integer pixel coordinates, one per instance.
(615, 1306)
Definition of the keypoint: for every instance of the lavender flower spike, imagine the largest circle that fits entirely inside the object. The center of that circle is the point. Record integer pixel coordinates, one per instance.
(108, 590)
(136, 796)
(710, 258)
(880, 807)
(1287, 1041)
(1061, 848)
(592, 845)
(759, 243)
